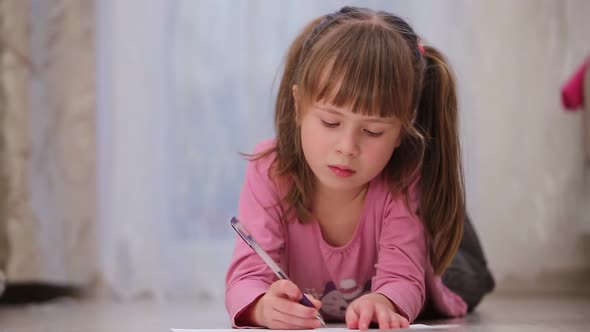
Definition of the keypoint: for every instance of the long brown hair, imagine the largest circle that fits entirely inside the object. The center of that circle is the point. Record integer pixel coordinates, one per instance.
(371, 62)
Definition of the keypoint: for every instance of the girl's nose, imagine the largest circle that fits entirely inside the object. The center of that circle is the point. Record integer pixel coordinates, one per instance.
(348, 145)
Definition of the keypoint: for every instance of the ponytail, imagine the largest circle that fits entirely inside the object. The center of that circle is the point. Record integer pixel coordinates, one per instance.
(442, 205)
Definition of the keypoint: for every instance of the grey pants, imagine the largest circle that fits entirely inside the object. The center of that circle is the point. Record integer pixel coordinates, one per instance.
(468, 274)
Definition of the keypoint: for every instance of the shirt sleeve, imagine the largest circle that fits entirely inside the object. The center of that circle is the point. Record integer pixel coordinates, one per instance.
(248, 277)
(402, 259)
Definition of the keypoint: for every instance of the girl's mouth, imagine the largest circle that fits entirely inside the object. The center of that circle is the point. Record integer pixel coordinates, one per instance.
(341, 171)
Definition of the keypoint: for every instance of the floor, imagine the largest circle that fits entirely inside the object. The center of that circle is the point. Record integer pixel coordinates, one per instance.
(496, 313)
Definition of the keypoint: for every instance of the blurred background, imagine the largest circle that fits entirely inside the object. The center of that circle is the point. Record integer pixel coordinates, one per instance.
(121, 124)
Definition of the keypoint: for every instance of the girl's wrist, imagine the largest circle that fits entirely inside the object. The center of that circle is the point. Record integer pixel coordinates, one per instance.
(387, 302)
(249, 316)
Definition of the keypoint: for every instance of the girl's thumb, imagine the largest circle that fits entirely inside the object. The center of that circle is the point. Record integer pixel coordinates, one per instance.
(316, 303)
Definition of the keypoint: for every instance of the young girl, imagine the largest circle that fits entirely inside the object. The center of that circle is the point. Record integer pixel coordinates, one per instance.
(360, 196)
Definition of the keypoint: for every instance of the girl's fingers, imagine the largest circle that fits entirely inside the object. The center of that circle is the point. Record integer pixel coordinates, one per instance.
(316, 303)
(294, 309)
(363, 311)
(283, 310)
(294, 322)
(384, 317)
(404, 323)
(352, 318)
(399, 322)
(285, 289)
(395, 322)
(366, 315)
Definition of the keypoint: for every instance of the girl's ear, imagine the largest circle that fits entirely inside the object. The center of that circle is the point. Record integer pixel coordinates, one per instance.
(295, 92)
(398, 140)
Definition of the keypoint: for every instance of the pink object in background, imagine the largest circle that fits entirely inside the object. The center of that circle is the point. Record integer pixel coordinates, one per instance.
(572, 92)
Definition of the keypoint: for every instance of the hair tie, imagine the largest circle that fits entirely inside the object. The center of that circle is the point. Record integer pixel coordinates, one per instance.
(421, 48)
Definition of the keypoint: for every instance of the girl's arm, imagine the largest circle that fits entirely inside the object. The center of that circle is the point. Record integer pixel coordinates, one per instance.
(248, 278)
(402, 260)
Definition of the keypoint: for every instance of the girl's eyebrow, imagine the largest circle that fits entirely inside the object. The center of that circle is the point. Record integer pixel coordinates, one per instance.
(371, 119)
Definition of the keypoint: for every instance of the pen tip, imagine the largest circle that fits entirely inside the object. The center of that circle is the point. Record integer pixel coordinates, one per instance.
(321, 319)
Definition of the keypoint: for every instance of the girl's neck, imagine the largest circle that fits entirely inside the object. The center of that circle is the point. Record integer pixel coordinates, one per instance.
(326, 199)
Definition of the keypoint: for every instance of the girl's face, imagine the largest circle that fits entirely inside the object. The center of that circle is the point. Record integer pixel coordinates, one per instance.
(346, 150)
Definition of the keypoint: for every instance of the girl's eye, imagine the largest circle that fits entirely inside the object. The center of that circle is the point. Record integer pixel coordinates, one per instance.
(373, 134)
(330, 124)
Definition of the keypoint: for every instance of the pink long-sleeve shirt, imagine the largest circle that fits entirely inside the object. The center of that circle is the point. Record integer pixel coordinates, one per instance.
(387, 253)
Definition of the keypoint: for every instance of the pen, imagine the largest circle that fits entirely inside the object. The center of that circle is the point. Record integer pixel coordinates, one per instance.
(250, 241)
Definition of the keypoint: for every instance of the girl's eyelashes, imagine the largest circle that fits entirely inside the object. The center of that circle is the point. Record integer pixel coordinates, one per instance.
(367, 131)
(330, 124)
(373, 133)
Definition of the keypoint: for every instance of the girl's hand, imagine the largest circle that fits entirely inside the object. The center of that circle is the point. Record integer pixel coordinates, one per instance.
(279, 308)
(377, 308)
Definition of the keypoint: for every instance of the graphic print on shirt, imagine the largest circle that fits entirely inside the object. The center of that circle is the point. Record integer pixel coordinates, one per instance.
(335, 300)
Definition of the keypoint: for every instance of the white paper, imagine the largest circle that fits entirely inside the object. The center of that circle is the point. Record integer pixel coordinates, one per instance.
(330, 329)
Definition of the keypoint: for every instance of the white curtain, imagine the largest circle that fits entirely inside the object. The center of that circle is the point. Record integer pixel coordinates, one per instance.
(183, 86)
(48, 142)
